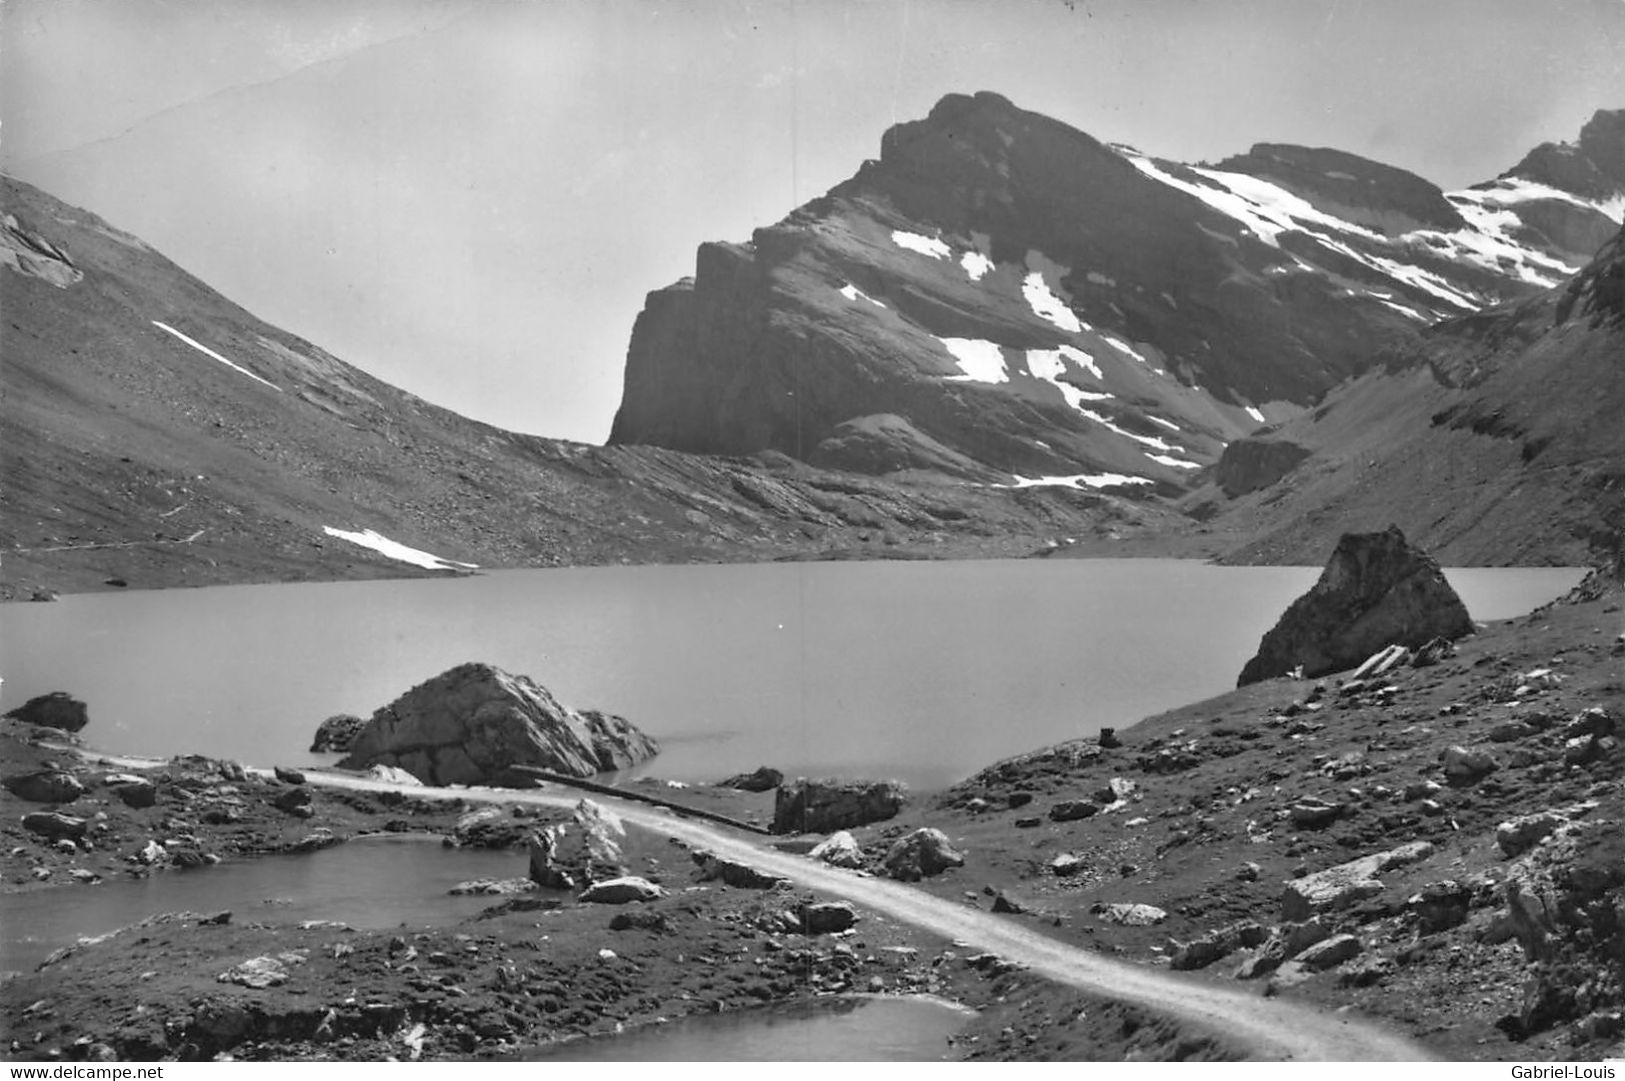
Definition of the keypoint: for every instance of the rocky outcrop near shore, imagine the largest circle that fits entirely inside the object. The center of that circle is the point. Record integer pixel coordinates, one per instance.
(467, 725)
(58, 709)
(824, 806)
(1377, 590)
(337, 733)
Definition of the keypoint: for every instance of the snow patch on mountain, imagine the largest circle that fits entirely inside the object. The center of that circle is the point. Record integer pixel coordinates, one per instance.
(1056, 359)
(1491, 242)
(852, 292)
(1176, 463)
(1152, 441)
(1076, 480)
(1050, 366)
(206, 351)
(1402, 309)
(1512, 189)
(381, 544)
(1253, 411)
(976, 265)
(925, 245)
(981, 361)
(1267, 211)
(1123, 347)
(1046, 305)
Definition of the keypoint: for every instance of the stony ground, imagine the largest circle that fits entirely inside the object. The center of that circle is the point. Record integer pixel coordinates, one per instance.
(1210, 813)
(531, 969)
(1497, 930)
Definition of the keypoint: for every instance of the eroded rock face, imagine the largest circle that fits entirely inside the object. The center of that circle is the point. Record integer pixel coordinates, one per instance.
(1377, 590)
(59, 709)
(467, 725)
(829, 805)
(1564, 900)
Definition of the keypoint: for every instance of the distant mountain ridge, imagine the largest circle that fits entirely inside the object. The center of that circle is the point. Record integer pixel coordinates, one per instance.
(153, 433)
(1006, 300)
(1003, 337)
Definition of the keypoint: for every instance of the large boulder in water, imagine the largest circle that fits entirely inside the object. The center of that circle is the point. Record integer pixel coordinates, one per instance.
(825, 806)
(762, 779)
(58, 709)
(1377, 590)
(469, 724)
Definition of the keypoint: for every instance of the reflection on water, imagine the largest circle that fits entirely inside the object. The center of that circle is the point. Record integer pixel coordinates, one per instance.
(847, 1029)
(373, 883)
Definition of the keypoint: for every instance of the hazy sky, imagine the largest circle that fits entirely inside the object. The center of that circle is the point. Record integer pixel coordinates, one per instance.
(470, 199)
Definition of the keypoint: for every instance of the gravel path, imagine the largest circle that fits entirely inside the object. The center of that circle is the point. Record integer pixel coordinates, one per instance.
(1271, 1028)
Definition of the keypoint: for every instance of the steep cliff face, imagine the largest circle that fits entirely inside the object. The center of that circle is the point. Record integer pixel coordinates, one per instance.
(1000, 297)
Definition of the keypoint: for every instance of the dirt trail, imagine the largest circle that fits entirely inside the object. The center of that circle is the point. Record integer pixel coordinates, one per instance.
(1271, 1028)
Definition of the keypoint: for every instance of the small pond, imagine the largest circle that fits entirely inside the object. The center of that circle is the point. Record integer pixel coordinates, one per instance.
(859, 1028)
(373, 883)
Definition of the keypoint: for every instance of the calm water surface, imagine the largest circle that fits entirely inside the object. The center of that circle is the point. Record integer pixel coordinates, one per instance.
(857, 1029)
(922, 671)
(373, 883)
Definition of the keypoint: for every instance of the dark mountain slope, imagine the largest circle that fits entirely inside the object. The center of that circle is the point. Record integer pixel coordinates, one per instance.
(156, 433)
(1020, 300)
(1497, 440)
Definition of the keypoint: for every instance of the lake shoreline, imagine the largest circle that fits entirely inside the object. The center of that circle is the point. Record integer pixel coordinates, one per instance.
(1177, 845)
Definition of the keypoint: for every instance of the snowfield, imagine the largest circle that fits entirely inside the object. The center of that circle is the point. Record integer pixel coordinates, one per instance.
(981, 361)
(206, 351)
(976, 264)
(1050, 365)
(381, 544)
(925, 245)
(1077, 480)
(1123, 347)
(1046, 305)
(852, 292)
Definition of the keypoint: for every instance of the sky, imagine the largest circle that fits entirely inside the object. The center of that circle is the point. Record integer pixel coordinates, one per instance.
(471, 198)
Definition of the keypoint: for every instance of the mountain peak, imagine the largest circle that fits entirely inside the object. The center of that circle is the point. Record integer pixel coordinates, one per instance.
(1592, 167)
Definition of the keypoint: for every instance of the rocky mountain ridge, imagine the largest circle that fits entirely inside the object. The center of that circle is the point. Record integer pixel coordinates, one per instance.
(157, 434)
(1492, 439)
(1006, 300)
